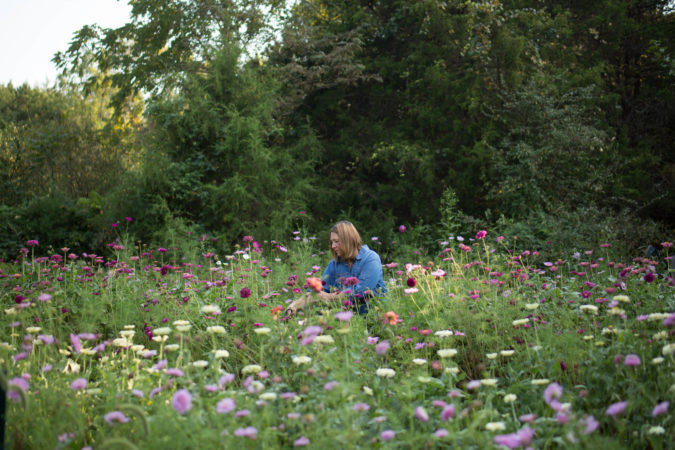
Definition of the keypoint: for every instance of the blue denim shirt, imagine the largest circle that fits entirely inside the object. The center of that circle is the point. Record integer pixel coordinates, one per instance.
(367, 267)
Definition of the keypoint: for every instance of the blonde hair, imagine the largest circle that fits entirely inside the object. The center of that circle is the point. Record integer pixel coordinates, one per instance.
(350, 240)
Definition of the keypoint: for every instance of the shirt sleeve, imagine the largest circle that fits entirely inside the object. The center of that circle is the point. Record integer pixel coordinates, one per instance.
(370, 276)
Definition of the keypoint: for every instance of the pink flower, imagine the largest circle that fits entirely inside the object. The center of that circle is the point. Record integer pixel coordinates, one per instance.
(631, 360)
(552, 391)
(344, 316)
(245, 292)
(225, 406)
(448, 412)
(75, 340)
(115, 417)
(421, 414)
(616, 408)
(387, 435)
(441, 433)
(301, 442)
(78, 384)
(182, 401)
(473, 384)
(32, 243)
(528, 418)
(660, 409)
(382, 348)
(402, 229)
(481, 234)
(330, 385)
(249, 432)
(361, 407)
(514, 440)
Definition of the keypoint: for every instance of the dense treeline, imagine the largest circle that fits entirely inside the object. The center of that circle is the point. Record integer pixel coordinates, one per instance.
(550, 120)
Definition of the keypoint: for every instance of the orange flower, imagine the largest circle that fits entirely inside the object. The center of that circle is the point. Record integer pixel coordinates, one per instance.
(391, 317)
(315, 284)
(276, 311)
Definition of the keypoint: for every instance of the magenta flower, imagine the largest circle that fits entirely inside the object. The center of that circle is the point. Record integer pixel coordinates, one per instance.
(301, 442)
(225, 406)
(481, 234)
(616, 408)
(78, 384)
(75, 340)
(182, 401)
(514, 440)
(115, 417)
(387, 435)
(421, 414)
(245, 292)
(631, 360)
(660, 409)
(32, 243)
(649, 277)
(382, 348)
(411, 282)
(402, 229)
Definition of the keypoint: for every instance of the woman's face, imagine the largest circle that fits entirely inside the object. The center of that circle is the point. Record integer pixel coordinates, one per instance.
(335, 244)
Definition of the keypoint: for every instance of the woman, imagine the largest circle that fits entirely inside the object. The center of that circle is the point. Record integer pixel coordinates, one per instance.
(354, 273)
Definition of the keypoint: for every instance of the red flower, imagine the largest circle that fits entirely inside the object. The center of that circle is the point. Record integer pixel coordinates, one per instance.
(411, 282)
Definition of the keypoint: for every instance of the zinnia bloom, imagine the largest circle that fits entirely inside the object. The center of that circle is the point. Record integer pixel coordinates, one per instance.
(616, 408)
(411, 282)
(78, 384)
(387, 435)
(315, 284)
(245, 292)
(632, 360)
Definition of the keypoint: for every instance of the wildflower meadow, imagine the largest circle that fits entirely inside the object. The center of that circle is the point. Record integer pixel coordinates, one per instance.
(478, 344)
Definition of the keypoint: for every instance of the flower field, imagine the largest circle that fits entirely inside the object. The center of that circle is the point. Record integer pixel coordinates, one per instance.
(477, 344)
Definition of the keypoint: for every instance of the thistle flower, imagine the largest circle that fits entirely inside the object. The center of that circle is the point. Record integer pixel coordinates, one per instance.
(616, 408)
(115, 417)
(182, 401)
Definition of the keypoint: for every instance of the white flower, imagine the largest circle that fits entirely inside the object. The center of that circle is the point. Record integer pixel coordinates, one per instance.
(299, 360)
(88, 351)
(251, 368)
(160, 338)
(540, 381)
(324, 339)
(495, 426)
(657, 360)
(443, 333)
(621, 298)
(129, 327)
(368, 391)
(180, 323)
(510, 398)
(668, 349)
(183, 328)
(216, 329)
(171, 347)
(268, 396)
(200, 363)
(121, 342)
(262, 330)
(589, 309)
(385, 372)
(424, 380)
(452, 370)
(33, 330)
(588, 337)
(616, 311)
(419, 361)
(531, 306)
(507, 352)
(220, 354)
(656, 430)
(491, 356)
(447, 352)
(137, 348)
(211, 309)
(161, 331)
(127, 333)
(536, 348)
(657, 316)
(661, 335)
(608, 330)
(520, 322)
(488, 382)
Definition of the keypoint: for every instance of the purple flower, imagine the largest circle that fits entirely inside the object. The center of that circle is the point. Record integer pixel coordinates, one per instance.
(225, 406)
(301, 442)
(387, 435)
(591, 424)
(649, 277)
(515, 440)
(18, 383)
(411, 282)
(421, 414)
(75, 340)
(473, 384)
(660, 408)
(631, 360)
(330, 385)
(249, 432)
(448, 412)
(552, 391)
(616, 408)
(78, 384)
(382, 348)
(174, 372)
(182, 401)
(245, 292)
(669, 321)
(344, 316)
(441, 433)
(115, 417)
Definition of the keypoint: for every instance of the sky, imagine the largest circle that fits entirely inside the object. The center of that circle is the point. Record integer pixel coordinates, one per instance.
(31, 31)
